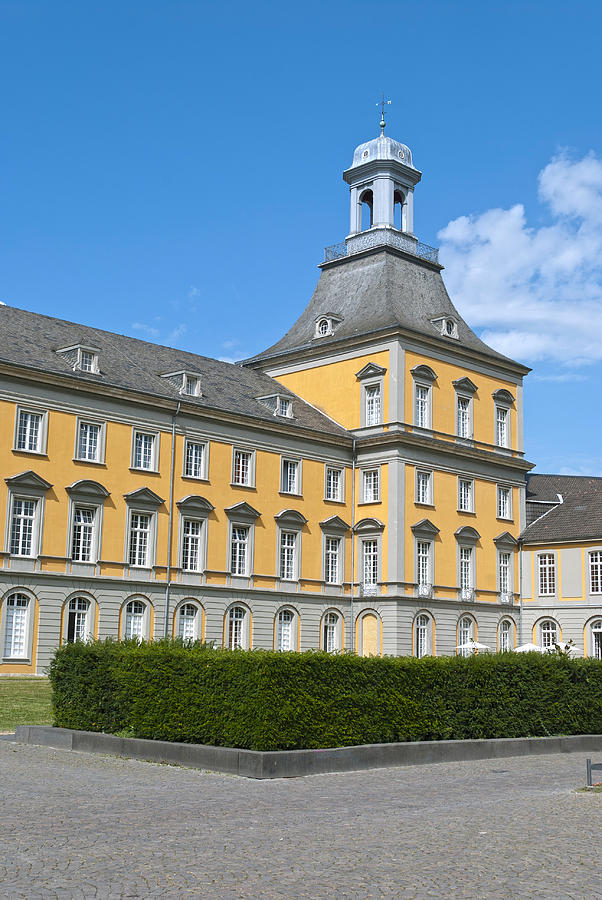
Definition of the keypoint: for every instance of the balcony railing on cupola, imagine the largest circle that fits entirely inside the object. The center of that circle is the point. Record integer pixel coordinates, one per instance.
(381, 237)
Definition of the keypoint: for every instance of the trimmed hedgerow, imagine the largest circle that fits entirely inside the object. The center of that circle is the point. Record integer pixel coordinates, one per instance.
(262, 700)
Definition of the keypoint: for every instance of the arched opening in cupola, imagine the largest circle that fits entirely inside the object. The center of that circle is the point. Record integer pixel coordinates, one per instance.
(366, 204)
(399, 210)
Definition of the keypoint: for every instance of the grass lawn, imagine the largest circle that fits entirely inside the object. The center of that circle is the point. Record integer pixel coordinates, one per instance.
(24, 701)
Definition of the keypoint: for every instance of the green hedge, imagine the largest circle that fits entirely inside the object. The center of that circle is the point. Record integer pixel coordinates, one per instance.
(280, 701)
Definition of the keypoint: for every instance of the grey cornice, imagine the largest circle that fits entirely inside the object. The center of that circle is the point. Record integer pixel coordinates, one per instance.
(505, 541)
(195, 504)
(87, 488)
(467, 535)
(374, 166)
(28, 480)
(370, 370)
(291, 517)
(368, 525)
(425, 372)
(465, 384)
(334, 524)
(503, 396)
(143, 497)
(242, 511)
(424, 528)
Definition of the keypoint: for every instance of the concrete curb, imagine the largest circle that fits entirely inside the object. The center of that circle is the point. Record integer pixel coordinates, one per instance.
(295, 763)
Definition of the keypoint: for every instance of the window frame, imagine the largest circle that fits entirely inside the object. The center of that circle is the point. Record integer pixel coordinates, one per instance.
(498, 509)
(472, 633)
(428, 387)
(202, 442)
(429, 501)
(468, 399)
(36, 530)
(429, 627)
(367, 470)
(374, 385)
(462, 479)
(101, 443)
(30, 621)
(298, 463)
(251, 468)
(341, 491)
(554, 570)
(424, 589)
(89, 617)
(594, 592)
(146, 618)
(338, 633)
(506, 620)
(294, 629)
(199, 627)
(373, 586)
(246, 627)
(154, 461)
(541, 630)
(42, 436)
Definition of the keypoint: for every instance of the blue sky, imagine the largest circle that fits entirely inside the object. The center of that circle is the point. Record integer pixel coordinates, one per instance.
(172, 170)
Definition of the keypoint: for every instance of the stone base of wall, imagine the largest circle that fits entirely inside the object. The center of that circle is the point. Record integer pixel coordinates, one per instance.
(296, 763)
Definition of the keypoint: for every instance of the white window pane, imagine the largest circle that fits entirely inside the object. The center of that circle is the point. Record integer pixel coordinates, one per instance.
(195, 459)
(239, 550)
(242, 467)
(370, 554)
(29, 431)
(373, 406)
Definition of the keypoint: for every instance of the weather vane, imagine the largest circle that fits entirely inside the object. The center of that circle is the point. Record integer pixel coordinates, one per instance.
(382, 103)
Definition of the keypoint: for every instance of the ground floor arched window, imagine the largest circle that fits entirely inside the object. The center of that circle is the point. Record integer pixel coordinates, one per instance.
(137, 615)
(78, 625)
(17, 625)
(237, 628)
(466, 633)
(505, 635)
(189, 621)
(548, 631)
(423, 635)
(596, 639)
(332, 632)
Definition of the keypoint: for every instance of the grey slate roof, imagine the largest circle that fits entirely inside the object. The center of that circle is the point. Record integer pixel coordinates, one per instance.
(31, 340)
(578, 517)
(375, 292)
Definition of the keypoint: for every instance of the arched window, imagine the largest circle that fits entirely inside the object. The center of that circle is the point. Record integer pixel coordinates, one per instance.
(505, 636)
(16, 633)
(285, 630)
(78, 625)
(237, 630)
(366, 201)
(136, 620)
(189, 622)
(422, 635)
(549, 634)
(398, 210)
(369, 633)
(465, 634)
(323, 327)
(596, 629)
(331, 632)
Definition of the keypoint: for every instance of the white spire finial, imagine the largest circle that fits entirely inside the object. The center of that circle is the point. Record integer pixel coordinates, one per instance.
(382, 103)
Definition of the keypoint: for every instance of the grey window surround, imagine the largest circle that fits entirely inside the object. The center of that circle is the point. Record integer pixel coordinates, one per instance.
(41, 411)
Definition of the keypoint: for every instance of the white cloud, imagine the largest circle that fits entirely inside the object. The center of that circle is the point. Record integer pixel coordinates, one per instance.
(177, 332)
(148, 330)
(535, 293)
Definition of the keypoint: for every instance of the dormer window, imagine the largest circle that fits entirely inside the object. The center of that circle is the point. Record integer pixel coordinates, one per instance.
(81, 358)
(326, 324)
(278, 405)
(446, 326)
(284, 407)
(86, 361)
(187, 383)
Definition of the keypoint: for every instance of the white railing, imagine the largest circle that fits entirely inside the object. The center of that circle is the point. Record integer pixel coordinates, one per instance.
(381, 237)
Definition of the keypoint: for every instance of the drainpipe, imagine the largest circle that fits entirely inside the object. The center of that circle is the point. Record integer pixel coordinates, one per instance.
(170, 525)
(520, 591)
(352, 544)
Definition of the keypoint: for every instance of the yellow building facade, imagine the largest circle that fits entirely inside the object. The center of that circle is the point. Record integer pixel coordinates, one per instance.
(359, 485)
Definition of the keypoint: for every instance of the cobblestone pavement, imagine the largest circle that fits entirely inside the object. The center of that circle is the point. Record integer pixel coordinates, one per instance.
(77, 825)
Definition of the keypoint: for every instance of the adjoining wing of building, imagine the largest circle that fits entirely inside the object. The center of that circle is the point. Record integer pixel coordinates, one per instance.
(359, 485)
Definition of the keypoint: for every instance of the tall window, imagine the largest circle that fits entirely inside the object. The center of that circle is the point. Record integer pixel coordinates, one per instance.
(83, 534)
(290, 476)
(192, 531)
(547, 574)
(423, 487)
(370, 558)
(421, 635)
(88, 441)
(284, 639)
(333, 484)
(242, 467)
(549, 634)
(194, 462)
(466, 568)
(465, 495)
(504, 562)
(465, 634)
(504, 502)
(331, 561)
(597, 639)
(501, 426)
(331, 633)
(135, 612)
(144, 448)
(29, 431)
(373, 415)
(505, 635)
(463, 429)
(23, 527)
(423, 560)
(371, 493)
(188, 616)
(77, 619)
(595, 572)
(17, 621)
(238, 550)
(421, 406)
(288, 540)
(236, 621)
(140, 526)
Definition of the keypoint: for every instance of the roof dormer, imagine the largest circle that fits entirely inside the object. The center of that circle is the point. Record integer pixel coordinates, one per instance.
(278, 404)
(447, 326)
(81, 358)
(187, 383)
(326, 324)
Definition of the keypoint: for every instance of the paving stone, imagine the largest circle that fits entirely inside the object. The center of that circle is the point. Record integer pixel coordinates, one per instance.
(78, 825)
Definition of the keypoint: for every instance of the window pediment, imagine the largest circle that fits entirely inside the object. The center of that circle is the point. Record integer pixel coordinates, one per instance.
(242, 511)
(370, 370)
(466, 385)
(143, 497)
(424, 373)
(87, 489)
(334, 524)
(425, 528)
(368, 525)
(467, 535)
(28, 481)
(291, 517)
(193, 503)
(503, 396)
(505, 541)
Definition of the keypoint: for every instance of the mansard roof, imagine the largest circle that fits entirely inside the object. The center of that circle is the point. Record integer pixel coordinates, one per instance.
(32, 341)
(377, 291)
(577, 518)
